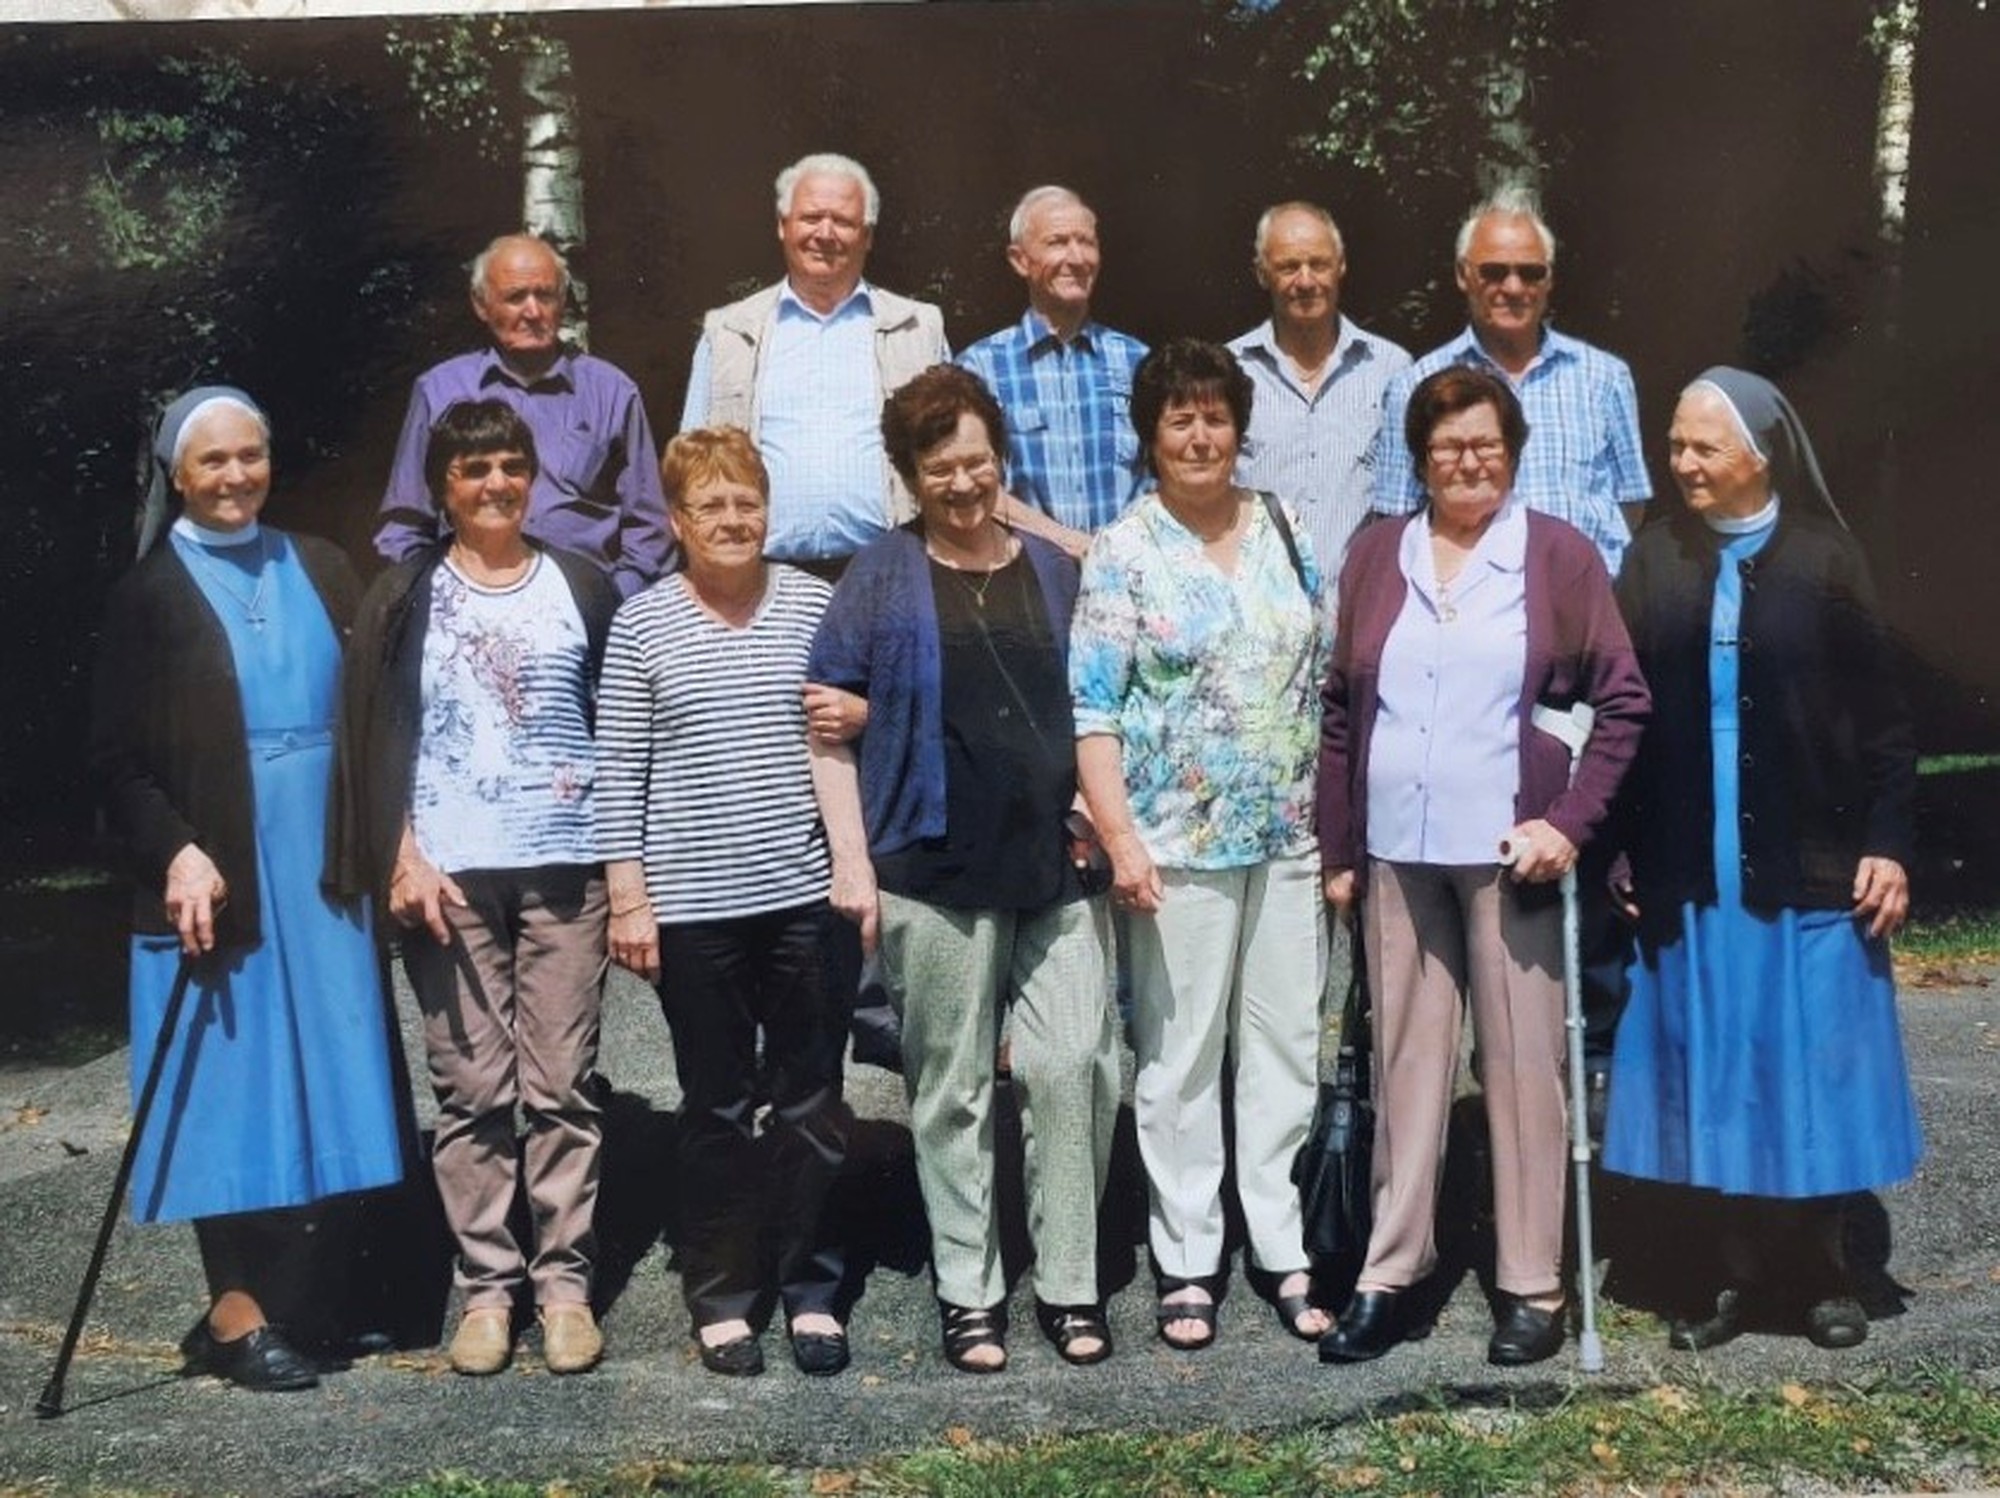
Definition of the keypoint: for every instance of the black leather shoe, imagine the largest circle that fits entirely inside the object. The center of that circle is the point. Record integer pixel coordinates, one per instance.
(1699, 1333)
(260, 1359)
(1524, 1334)
(1366, 1329)
(742, 1358)
(820, 1354)
(1837, 1323)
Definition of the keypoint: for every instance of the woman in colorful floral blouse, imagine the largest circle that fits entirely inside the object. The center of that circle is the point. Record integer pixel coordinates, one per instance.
(1194, 662)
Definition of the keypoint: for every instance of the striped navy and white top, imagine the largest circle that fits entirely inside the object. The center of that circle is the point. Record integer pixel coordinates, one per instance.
(702, 768)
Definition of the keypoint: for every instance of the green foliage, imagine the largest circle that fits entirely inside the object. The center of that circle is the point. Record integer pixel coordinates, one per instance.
(1400, 84)
(170, 174)
(450, 65)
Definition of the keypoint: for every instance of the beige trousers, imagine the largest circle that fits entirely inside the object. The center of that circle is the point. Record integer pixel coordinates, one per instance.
(1434, 935)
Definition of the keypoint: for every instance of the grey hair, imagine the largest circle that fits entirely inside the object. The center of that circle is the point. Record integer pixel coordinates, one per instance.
(1296, 205)
(1035, 197)
(499, 242)
(1513, 201)
(829, 164)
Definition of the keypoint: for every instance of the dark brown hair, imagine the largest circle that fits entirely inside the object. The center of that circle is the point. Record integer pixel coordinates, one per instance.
(1183, 370)
(1456, 388)
(469, 427)
(925, 412)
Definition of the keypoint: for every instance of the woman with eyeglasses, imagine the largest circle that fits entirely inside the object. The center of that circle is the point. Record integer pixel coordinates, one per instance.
(950, 825)
(467, 771)
(1455, 626)
(1198, 645)
(717, 864)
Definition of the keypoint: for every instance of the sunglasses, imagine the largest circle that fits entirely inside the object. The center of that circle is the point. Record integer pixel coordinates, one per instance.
(1496, 272)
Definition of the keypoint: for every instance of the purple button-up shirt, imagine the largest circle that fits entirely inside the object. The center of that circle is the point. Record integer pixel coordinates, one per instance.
(598, 491)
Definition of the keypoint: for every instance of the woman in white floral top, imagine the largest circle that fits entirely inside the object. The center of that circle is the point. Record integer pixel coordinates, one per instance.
(1195, 656)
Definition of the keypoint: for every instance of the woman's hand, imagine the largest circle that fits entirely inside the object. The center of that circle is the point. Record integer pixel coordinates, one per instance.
(632, 934)
(1340, 890)
(1881, 895)
(419, 890)
(834, 716)
(1541, 854)
(195, 891)
(1135, 883)
(855, 896)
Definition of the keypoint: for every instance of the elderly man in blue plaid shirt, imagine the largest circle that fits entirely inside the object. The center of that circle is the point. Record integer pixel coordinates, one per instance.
(1582, 462)
(1064, 381)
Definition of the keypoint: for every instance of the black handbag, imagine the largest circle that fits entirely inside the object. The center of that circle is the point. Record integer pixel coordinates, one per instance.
(1333, 1167)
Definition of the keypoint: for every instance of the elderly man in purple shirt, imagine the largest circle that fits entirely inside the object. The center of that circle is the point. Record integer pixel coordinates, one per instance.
(598, 492)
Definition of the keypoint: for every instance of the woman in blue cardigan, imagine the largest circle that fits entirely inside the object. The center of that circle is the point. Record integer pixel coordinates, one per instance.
(947, 824)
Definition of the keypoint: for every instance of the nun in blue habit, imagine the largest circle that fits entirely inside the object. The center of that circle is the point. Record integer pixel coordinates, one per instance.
(1767, 819)
(211, 735)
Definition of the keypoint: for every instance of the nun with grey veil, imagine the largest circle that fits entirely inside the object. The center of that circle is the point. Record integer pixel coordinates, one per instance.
(211, 738)
(1759, 1067)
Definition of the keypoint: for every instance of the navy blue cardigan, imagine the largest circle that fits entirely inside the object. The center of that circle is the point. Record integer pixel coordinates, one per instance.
(1826, 758)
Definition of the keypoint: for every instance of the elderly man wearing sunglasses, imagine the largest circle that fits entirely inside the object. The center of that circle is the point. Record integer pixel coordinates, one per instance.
(1583, 460)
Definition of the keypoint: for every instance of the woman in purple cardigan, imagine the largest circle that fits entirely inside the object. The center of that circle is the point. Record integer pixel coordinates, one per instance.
(1454, 625)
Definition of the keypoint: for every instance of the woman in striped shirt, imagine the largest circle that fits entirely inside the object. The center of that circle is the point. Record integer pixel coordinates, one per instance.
(718, 870)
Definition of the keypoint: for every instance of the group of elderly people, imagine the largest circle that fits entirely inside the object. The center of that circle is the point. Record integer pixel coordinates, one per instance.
(1007, 779)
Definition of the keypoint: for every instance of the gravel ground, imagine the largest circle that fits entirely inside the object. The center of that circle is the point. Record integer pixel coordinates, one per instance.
(397, 1417)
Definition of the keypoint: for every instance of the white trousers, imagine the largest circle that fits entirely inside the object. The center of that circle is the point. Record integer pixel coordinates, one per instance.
(1234, 961)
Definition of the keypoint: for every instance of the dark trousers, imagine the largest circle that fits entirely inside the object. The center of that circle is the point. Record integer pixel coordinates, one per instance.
(272, 1256)
(1604, 948)
(763, 1133)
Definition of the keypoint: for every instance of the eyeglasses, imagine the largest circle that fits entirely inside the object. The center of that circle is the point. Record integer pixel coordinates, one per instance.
(1450, 453)
(477, 470)
(1496, 272)
(940, 475)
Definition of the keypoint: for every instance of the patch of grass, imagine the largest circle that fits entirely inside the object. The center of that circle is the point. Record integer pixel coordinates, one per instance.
(65, 881)
(1953, 936)
(681, 1479)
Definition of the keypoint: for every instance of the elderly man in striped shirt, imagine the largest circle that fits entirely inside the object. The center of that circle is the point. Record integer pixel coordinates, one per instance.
(1063, 380)
(1319, 381)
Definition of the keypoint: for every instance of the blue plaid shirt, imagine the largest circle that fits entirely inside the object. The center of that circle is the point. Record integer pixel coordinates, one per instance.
(1071, 450)
(1583, 457)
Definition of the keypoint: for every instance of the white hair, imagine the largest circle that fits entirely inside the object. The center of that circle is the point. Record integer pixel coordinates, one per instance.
(829, 164)
(1049, 195)
(499, 242)
(1297, 205)
(1512, 201)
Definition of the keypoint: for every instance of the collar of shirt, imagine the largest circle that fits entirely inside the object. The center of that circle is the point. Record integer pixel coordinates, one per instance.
(1504, 548)
(1039, 336)
(560, 375)
(860, 299)
(1557, 348)
(1349, 347)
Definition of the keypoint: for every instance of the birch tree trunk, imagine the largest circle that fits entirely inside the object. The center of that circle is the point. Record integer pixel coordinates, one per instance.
(552, 167)
(1895, 35)
(1511, 157)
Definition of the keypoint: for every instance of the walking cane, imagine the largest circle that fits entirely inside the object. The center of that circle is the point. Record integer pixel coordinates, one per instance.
(1572, 730)
(50, 1404)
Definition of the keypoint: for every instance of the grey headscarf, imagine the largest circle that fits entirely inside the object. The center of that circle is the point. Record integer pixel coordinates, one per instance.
(1774, 429)
(157, 510)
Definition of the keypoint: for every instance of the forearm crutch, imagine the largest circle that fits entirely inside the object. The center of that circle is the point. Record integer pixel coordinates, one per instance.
(51, 1403)
(1572, 730)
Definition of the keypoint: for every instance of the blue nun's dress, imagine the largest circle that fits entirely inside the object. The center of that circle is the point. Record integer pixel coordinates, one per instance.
(277, 1085)
(1760, 1053)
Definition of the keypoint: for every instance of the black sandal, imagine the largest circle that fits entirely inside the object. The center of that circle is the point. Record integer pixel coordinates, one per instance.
(966, 1328)
(1165, 1314)
(1288, 1307)
(1065, 1326)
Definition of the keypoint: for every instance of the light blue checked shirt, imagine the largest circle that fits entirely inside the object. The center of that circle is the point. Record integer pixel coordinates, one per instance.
(1583, 457)
(819, 427)
(1317, 451)
(1071, 450)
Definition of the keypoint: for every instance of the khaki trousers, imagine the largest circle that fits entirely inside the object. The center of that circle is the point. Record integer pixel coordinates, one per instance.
(511, 1017)
(1433, 935)
(1233, 961)
(948, 972)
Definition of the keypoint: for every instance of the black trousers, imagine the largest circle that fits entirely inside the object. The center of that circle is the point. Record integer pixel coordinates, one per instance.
(763, 1126)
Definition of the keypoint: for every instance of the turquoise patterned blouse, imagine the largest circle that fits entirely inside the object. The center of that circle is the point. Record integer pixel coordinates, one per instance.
(1210, 683)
